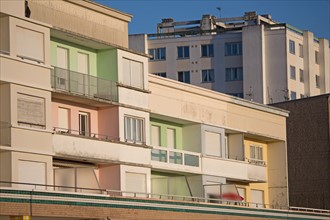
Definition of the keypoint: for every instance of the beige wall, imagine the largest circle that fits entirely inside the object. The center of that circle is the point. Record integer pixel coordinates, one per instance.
(16, 7)
(85, 18)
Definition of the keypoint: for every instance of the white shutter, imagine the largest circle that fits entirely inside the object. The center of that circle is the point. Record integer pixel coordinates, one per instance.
(155, 136)
(63, 118)
(136, 74)
(126, 72)
(83, 65)
(212, 144)
(170, 138)
(31, 172)
(257, 198)
(62, 58)
(30, 110)
(30, 44)
(136, 182)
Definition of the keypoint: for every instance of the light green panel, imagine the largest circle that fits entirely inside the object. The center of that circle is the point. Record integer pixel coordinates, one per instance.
(164, 125)
(73, 55)
(107, 64)
(164, 183)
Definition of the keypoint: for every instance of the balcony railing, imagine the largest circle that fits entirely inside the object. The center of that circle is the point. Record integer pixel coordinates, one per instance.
(175, 156)
(71, 132)
(83, 84)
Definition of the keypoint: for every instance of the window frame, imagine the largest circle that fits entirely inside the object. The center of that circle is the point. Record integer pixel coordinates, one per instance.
(317, 81)
(185, 74)
(157, 54)
(233, 49)
(301, 75)
(301, 50)
(209, 50)
(230, 76)
(209, 75)
(293, 95)
(161, 74)
(292, 47)
(293, 72)
(131, 132)
(184, 55)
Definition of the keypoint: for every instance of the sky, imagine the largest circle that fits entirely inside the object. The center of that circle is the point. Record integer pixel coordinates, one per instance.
(312, 15)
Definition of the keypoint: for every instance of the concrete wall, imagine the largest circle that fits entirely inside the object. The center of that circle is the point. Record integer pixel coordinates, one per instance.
(84, 17)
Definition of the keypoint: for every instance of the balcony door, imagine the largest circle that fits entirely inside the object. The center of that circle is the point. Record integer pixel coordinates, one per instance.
(62, 75)
(84, 124)
(83, 70)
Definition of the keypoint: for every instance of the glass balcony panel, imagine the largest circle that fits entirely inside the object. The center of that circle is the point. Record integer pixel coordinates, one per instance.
(175, 157)
(159, 155)
(191, 160)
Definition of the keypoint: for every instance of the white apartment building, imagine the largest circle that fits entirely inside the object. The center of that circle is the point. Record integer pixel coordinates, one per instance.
(252, 57)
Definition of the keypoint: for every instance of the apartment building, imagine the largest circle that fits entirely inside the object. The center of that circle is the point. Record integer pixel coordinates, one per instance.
(84, 127)
(252, 56)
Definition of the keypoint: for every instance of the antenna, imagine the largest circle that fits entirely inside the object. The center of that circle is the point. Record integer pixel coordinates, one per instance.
(219, 9)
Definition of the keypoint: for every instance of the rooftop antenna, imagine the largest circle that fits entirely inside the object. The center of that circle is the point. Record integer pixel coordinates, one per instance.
(219, 9)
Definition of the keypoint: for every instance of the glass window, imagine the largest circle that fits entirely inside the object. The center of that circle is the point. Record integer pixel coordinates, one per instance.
(160, 74)
(301, 75)
(316, 57)
(183, 52)
(207, 76)
(292, 46)
(293, 95)
(292, 72)
(233, 49)
(317, 81)
(256, 152)
(207, 50)
(184, 76)
(234, 74)
(134, 129)
(157, 53)
(301, 50)
(84, 124)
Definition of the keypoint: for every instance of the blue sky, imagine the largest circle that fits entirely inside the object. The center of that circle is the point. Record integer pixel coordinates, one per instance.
(312, 15)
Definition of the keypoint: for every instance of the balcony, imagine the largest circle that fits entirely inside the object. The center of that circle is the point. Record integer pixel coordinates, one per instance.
(234, 169)
(79, 84)
(174, 159)
(102, 147)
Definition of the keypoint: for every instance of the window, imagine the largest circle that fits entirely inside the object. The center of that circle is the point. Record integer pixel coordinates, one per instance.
(155, 135)
(84, 124)
(184, 76)
(207, 50)
(31, 111)
(213, 143)
(171, 138)
(301, 50)
(316, 57)
(256, 152)
(183, 52)
(157, 53)
(63, 119)
(257, 198)
(292, 72)
(292, 46)
(207, 76)
(293, 95)
(302, 96)
(240, 95)
(301, 75)
(160, 74)
(134, 129)
(233, 49)
(133, 73)
(234, 74)
(317, 81)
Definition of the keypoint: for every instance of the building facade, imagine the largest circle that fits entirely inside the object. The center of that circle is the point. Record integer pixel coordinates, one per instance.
(252, 57)
(81, 116)
(308, 151)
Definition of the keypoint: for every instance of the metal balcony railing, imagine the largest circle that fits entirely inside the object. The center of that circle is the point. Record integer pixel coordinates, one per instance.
(83, 84)
(174, 156)
(86, 134)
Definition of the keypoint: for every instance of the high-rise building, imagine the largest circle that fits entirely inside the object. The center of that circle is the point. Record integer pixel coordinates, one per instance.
(252, 56)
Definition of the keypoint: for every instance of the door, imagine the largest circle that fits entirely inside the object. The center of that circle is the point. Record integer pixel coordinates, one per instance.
(84, 127)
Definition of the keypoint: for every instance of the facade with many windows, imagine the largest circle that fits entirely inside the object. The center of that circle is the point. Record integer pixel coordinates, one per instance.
(252, 56)
(81, 116)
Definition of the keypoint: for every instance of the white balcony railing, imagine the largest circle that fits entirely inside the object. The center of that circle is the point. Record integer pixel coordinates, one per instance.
(175, 156)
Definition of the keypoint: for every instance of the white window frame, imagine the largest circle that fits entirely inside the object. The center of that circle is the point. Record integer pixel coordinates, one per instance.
(134, 129)
(84, 128)
(293, 72)
(185, 54)
(292, 47)
(157, 54)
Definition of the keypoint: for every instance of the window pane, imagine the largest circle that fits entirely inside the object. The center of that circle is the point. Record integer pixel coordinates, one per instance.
(204, 51)
(180, 52)
(186, 51)
(211, 50)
